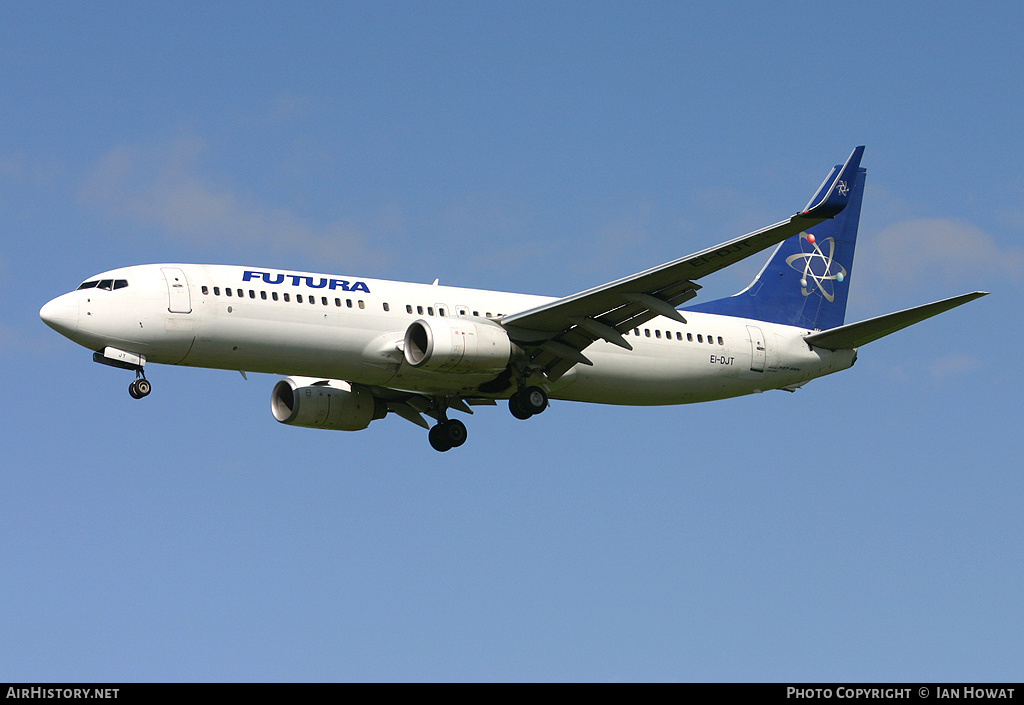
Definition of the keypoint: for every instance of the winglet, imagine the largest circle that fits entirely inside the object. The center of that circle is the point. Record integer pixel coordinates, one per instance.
(833, 194)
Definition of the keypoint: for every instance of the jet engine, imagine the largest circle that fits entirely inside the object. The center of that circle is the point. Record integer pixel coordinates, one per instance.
(457, 345)
(331, 404)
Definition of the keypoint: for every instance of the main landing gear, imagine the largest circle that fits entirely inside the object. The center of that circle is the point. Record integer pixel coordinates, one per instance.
(528, 402)
(447, 434)
(140, 388)
(451, 433)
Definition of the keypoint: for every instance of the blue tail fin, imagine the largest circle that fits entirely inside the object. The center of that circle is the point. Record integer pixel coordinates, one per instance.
(807, 279)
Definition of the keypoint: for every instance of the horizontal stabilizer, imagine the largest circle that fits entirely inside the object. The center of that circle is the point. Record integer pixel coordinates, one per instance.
(853, 335)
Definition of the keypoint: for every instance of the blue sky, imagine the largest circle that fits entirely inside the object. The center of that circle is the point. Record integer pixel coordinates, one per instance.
(867, 527)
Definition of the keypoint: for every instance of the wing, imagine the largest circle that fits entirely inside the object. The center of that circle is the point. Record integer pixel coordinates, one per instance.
(556, 333)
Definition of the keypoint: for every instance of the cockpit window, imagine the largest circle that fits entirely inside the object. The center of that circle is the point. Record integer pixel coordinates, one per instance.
(105, 284)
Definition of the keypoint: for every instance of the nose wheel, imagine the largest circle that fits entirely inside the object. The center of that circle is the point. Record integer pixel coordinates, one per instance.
(127, 361)
(140, 388)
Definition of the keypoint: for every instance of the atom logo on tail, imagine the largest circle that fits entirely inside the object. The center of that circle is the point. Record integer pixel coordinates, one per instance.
(817, 266)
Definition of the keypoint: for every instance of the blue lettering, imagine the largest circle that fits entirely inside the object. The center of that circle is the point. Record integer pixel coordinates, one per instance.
(299, 279)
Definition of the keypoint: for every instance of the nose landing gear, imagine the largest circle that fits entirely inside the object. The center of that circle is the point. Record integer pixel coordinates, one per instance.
(125, 360)
(140, 388)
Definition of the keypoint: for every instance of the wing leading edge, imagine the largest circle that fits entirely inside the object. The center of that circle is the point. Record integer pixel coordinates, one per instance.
(557, 333)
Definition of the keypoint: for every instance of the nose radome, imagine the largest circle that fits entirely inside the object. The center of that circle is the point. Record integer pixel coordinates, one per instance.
(61, 314)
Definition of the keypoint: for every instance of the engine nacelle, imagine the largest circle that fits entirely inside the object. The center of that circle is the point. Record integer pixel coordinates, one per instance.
(331, 404)
(457, 345)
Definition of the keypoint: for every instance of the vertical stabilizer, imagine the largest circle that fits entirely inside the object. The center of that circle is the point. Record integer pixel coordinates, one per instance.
(807, 279)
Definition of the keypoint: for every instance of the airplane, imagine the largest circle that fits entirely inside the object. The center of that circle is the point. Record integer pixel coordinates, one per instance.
(357, 349)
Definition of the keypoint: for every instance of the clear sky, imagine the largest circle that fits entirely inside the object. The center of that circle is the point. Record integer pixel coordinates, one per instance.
(867, 527)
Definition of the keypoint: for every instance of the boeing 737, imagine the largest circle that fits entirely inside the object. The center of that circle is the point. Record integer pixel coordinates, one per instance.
(360, 348)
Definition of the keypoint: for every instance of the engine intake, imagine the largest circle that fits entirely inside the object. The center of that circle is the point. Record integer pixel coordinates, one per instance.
(458, 346)
(331, 404)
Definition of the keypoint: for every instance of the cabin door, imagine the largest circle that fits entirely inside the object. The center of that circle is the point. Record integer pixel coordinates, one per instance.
(179, 299)
(758, 348)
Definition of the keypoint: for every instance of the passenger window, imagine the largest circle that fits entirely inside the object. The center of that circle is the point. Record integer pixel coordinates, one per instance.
(337, 302)
(689, 337)
(323, 300)
(228, 292)
(430, 310)
(263, 295)
(711, 340)
(312, 300)
(720, 341)
(298, 298)
(476, 313)
(348, 302)
(636, 332)
(216, 291)
(647, 332)
(679, 336)
(419, 310)
(241, 294)
(252, 294)
(657, 334)
(386, 307)
(287, 297)
(205, 289)
(440, 312)
(362, 304)
(408, 308)
(700, 338)
(273, 295)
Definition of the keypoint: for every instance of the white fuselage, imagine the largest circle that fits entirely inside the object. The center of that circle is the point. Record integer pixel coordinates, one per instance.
(332, 327)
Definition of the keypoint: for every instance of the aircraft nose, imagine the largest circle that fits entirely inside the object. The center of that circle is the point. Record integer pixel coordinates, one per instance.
(61, 314)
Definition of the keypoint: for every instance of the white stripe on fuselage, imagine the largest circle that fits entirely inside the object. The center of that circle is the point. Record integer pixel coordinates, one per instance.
(355, 340)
